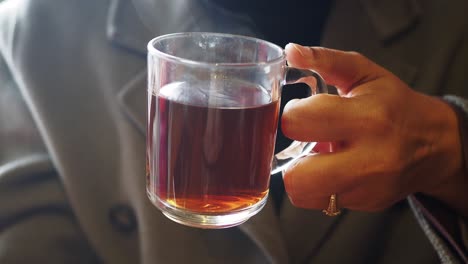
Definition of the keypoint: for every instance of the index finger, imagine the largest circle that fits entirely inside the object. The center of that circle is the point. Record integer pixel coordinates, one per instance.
(345, 70)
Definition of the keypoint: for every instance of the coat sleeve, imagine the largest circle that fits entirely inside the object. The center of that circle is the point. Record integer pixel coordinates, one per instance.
(37, 224)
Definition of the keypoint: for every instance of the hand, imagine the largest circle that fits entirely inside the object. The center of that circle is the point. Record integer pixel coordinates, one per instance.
(392, 141)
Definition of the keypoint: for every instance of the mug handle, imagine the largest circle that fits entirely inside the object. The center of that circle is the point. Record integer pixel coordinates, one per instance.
(298, 149)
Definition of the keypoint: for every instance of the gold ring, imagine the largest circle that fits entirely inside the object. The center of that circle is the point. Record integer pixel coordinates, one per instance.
(332, 209)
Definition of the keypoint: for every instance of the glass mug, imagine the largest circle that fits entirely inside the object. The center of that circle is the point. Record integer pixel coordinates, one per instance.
(213, 110)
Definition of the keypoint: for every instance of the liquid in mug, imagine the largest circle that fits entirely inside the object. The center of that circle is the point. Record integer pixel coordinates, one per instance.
(209, 149)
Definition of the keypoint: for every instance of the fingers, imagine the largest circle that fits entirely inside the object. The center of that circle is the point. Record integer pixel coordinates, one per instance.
(362, 178)
(310, 181)
(342, 69)
(323, 118)
(326, 117)
(357, 171)
(322, 174)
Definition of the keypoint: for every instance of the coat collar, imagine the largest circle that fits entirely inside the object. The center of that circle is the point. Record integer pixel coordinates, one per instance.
(391, 18)
(125, 29)
(132, 24)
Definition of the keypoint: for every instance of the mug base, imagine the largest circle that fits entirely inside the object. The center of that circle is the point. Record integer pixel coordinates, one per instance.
(207, 221)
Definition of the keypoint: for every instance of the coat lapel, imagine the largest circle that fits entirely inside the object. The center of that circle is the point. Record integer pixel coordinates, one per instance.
(264, 229)
(391, 18)
(132, 99)
(126, 30)
(132, 24)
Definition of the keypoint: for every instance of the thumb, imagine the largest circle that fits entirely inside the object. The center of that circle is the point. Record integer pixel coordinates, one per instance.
(345, 70)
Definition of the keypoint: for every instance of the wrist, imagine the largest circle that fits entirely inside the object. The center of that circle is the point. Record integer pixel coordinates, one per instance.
(450, 183)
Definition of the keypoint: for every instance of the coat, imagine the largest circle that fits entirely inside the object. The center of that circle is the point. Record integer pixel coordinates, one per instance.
(72, 135)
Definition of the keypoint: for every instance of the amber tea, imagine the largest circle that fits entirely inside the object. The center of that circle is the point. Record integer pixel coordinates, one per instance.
(211, 155)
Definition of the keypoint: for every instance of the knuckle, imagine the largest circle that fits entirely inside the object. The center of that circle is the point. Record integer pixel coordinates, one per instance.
(318, 53)
(355, 54)
(364, 63)
(379, 119)
(390, 164)
(358, 57)
(385, 115)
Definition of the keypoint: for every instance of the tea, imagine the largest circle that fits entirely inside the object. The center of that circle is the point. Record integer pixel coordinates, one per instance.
(210, 148)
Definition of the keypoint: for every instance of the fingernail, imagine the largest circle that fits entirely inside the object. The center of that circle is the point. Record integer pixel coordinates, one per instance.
(297, 47)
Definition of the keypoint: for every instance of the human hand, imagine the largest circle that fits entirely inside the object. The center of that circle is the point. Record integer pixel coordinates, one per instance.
(392, 141)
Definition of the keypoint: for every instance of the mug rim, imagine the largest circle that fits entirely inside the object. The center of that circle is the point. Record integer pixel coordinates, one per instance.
(153, 51)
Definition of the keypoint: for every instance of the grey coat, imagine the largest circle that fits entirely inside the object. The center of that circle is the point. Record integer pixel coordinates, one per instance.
(72, 118)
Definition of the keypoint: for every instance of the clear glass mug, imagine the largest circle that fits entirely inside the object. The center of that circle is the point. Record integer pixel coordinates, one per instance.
(213, 110)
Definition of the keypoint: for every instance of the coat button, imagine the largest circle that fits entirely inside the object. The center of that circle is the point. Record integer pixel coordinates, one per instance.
(123, 219)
